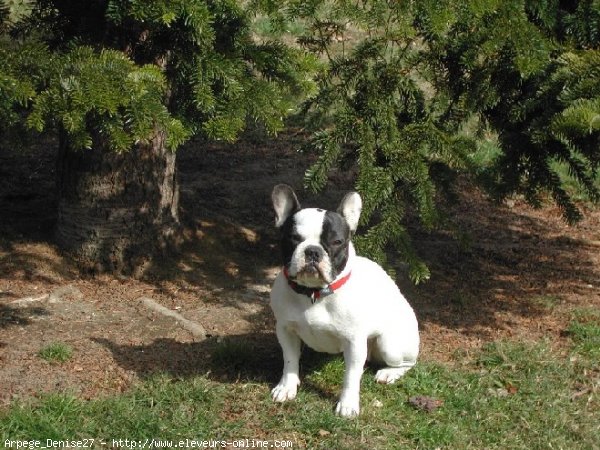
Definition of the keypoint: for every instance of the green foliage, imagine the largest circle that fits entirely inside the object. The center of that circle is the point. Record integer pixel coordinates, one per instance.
(14, 11)
(121, 71)
(106, 93)
(378, 116)
(413, 91)
(582, 24)
(18, 80)
(517, 68)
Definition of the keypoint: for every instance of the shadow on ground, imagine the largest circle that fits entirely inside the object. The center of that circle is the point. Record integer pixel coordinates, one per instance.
(510, 263)
(10, 316)
(253, 357)
(506, 258)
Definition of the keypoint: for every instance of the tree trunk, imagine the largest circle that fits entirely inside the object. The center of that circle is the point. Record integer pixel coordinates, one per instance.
(117, 211)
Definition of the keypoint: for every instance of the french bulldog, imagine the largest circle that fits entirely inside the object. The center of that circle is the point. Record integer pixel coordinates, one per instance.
(335, 301)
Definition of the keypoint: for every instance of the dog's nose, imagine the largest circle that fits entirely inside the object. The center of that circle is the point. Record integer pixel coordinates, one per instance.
(313, 253)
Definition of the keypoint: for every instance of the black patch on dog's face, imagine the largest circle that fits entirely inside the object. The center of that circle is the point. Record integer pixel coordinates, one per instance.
(335, 239)
(289, 240)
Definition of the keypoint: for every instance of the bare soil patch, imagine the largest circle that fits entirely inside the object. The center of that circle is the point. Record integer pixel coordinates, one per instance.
(515, 273)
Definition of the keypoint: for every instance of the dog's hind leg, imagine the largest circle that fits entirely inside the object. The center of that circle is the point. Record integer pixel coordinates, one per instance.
(394, 352)
(389, 375)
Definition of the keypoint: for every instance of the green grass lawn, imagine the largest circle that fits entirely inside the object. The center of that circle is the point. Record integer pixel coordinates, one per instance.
(511, 395)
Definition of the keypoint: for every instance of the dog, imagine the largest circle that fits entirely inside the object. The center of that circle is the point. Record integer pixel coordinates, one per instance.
(335, 301)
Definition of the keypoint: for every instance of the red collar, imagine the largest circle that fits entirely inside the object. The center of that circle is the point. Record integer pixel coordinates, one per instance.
(316, 293)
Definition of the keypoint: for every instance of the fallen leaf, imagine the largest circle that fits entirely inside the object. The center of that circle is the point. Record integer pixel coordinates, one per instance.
(425, 403)
(323, 433)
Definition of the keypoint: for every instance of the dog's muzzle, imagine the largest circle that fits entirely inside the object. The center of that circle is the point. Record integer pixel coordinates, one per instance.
(313, 255)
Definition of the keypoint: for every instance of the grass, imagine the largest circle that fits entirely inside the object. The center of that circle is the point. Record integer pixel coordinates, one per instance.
(56, 352)
(513, 395)
(585, 332)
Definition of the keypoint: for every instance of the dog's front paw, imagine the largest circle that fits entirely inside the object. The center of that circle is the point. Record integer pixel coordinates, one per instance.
(284, 392)
(348, 409)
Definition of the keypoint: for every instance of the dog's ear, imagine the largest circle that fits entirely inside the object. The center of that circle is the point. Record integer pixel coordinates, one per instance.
(350, 209)
(285, 203)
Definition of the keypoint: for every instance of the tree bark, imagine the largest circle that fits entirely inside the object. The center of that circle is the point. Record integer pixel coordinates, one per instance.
(117, 211)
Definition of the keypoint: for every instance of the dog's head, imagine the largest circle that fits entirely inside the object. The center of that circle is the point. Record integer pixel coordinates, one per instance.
(315, 243)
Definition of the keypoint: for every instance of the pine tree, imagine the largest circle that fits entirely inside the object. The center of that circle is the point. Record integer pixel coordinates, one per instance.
(412, 89)
(407, 92)
(123, 83)
(378, 115)
(529, 70)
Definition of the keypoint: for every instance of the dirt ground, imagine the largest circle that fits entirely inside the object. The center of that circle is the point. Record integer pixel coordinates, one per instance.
(515, 273)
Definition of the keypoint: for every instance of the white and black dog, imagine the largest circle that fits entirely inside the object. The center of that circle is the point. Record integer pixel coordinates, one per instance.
(336, 301)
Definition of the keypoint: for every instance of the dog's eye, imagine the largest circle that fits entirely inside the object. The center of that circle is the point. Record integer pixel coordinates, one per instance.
(337, 242)
(296, 237)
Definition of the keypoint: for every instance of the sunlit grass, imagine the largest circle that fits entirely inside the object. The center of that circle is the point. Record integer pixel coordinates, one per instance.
(56, 352)
(511, 395)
